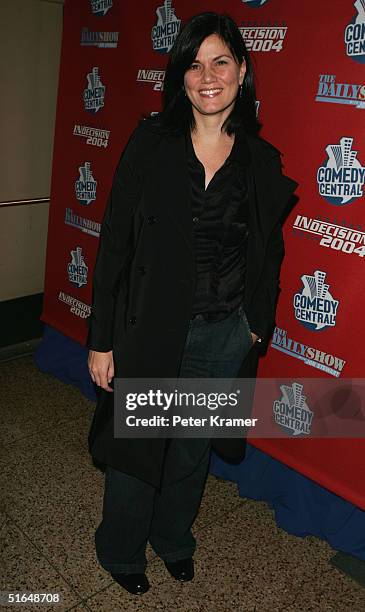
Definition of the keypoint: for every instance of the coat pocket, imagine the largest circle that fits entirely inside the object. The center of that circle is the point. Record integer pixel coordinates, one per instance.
(243, 318)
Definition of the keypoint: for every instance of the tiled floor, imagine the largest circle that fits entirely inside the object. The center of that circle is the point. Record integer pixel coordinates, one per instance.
(50, 505)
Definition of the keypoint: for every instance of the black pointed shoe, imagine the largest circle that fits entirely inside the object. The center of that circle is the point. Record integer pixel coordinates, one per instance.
(137, 584)
(181, 570)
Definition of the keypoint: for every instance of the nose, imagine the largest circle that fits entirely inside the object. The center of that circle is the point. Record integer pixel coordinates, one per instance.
(208, 74)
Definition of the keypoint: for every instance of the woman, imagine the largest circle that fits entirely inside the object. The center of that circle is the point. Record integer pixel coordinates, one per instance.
(185, 284)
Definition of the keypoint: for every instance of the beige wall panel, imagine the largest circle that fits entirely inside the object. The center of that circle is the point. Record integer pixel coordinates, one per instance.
(30, 42)
(22, 250)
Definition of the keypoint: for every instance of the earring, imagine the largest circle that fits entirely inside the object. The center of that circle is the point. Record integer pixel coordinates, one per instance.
(240, 91)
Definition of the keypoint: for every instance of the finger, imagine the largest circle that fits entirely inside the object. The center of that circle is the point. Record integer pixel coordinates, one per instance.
(104, 381)
(110, 373)
(107, 388)
(97, 377)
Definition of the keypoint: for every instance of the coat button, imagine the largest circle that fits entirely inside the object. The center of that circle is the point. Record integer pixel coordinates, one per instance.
(151, 220)
(133, 320)
(195, 219)
(142, 269)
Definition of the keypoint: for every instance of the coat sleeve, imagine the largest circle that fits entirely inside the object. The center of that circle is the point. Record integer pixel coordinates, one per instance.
(114, 247)
(261, 317)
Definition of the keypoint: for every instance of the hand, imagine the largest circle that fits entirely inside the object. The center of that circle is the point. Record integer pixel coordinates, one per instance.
(254, 337)
(101, 368)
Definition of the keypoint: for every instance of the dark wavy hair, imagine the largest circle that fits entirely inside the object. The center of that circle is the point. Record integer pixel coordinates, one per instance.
(177, 115)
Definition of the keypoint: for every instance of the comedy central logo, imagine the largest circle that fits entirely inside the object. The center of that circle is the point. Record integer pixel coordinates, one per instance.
(355, 34)
(94, 93)
(85, 186)
(254, 3)
(291, 412)
(101, 7)
(314, 306)
(167, 28)
(341, 178)
(77, 269)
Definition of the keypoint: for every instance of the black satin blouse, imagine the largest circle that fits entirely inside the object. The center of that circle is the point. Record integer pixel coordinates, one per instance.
(220, 231)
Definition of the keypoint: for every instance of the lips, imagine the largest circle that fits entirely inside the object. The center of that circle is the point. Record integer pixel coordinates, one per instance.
(210, 93)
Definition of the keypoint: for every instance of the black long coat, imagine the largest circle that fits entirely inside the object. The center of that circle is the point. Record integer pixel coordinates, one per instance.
(144, 278)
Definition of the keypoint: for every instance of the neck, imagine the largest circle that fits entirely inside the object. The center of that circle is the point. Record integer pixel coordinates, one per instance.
(209, 127)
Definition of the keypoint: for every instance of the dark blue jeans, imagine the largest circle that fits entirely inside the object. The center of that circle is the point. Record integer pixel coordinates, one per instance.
(135, 512)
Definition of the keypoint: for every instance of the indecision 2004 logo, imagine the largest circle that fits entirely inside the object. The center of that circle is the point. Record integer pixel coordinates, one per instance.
(355, 34)
(254, 3)
(264, 37)
(165, 31)
(341, 178)
(314, 306)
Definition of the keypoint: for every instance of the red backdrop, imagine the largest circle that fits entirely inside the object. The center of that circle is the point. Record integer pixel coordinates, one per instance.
(308, 57)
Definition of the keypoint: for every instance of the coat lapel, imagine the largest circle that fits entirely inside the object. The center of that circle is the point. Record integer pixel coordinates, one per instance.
(174, 186)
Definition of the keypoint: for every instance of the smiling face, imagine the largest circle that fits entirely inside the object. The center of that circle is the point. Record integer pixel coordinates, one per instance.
(212, 81)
